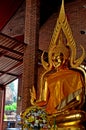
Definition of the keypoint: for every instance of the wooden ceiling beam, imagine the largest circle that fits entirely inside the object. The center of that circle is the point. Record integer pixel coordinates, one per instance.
(10, 50)
(3, 72)
(13, 58)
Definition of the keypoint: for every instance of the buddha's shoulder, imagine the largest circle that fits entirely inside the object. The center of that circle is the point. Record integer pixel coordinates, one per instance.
(75, 71)
(63, 73)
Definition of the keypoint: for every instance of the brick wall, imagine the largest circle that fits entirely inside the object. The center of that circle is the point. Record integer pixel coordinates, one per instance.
(76, 16)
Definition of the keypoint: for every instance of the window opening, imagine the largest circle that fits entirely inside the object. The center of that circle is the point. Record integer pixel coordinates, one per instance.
(11, 101)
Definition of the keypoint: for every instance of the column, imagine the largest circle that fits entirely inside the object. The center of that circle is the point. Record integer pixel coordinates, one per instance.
(30, 61)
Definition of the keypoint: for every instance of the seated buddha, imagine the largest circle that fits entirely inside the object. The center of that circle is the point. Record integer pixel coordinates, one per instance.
(62, 85)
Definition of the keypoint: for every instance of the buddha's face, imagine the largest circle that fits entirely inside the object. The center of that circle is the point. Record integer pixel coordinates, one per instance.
(57, 59)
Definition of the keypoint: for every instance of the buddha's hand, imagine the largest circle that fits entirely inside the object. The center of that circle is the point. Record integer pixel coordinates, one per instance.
(33, 95)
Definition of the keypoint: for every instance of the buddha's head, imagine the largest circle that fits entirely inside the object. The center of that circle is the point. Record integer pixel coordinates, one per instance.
(60, 56)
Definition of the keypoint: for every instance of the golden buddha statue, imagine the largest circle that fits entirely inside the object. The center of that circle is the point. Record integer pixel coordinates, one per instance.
(62, 85)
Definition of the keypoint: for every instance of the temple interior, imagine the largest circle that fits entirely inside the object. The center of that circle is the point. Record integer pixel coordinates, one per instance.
(43, 49)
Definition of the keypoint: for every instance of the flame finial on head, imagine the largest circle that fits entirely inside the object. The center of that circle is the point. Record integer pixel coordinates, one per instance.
(63, 27)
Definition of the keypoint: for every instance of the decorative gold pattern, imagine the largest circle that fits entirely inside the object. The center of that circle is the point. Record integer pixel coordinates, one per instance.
(63, 26)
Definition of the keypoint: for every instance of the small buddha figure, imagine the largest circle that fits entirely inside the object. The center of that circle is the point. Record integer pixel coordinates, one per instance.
(62, 85)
